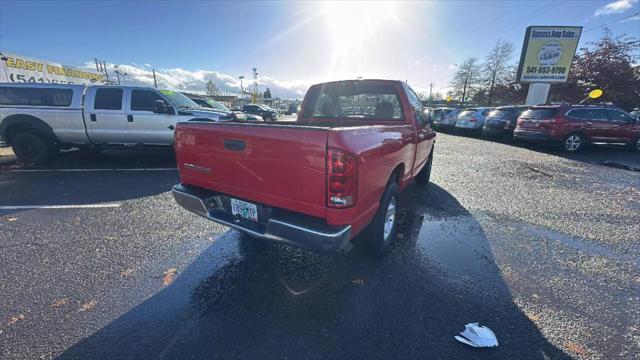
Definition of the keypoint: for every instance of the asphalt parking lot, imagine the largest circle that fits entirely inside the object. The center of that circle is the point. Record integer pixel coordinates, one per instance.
(97, 261)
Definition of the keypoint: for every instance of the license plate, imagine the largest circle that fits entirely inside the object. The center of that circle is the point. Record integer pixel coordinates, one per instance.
(531, 124)
(244, 209)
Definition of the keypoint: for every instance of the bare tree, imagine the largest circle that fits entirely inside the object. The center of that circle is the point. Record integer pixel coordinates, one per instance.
(496, 68)
(466, 79)
(212, 89)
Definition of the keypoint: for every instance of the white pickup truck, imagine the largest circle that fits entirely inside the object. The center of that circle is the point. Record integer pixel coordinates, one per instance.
(39, 119)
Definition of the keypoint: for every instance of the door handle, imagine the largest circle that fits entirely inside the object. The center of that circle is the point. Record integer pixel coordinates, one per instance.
(589, 123)
(171, 127)
(130, 118)
(93, 117)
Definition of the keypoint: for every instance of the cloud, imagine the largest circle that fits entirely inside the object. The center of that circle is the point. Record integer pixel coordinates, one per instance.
(196, 80)
(616, 7)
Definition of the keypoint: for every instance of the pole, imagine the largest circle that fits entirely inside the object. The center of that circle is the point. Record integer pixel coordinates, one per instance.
(430, 91)
(155, 82)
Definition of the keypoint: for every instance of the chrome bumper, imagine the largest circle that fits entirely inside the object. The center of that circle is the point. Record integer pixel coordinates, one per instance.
(317, 237)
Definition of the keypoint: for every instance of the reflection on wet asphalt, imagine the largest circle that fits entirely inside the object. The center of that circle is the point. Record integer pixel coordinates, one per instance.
(248, 300)
(540, 248)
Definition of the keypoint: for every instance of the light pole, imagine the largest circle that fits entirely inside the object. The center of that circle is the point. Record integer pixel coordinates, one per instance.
(241, 87)
(118, 73)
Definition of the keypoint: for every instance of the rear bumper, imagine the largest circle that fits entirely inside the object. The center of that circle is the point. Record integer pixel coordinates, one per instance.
(487, 130)
(294, 229)
(469, 126)
(531, 135)
(444, 124)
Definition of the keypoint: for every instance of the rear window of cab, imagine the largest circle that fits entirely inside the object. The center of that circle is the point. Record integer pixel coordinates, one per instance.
(353, 100)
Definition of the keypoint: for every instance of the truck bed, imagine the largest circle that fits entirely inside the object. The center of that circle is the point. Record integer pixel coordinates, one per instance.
(278, 164)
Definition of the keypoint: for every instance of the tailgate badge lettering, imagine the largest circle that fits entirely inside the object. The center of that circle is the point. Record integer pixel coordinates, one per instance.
(199, 168)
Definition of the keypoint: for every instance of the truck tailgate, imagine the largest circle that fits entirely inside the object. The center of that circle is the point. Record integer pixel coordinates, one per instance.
(276, 165)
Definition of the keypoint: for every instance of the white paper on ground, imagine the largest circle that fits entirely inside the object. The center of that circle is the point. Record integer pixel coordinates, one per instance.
(477, 336)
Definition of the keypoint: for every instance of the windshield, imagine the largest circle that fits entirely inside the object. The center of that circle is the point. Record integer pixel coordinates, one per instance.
(216, 105)
(179, 100)
(353, 100)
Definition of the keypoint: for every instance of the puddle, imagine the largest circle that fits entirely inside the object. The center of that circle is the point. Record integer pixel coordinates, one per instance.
(458, 244)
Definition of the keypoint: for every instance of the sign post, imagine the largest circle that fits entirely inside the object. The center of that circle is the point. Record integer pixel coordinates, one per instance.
(547, 54)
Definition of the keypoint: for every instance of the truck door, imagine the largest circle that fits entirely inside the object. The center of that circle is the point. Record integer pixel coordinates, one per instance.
(424, 133)
(145, 126)
(105, 116)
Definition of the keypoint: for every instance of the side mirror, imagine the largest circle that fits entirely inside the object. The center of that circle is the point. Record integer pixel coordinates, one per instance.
(162, 107)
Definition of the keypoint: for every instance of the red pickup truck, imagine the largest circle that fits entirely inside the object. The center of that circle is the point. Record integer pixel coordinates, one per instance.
(319, 181)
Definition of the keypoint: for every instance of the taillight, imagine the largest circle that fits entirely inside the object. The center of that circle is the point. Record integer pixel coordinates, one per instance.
(473, 119)
(558, 120)
(342, 179)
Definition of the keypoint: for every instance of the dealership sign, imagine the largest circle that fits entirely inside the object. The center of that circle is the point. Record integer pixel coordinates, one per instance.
(547, 53)
(20, 69)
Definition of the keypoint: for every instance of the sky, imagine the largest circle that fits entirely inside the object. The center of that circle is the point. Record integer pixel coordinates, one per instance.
(292, 44)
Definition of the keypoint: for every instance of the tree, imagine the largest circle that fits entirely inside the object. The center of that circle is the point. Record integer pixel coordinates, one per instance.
(212, 89)
(504, 92)
(610, 64)
(496, 69)
(466, 79)
(267, 94)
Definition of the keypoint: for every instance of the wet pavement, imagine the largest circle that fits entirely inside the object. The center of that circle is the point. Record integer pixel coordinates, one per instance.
(540, 248)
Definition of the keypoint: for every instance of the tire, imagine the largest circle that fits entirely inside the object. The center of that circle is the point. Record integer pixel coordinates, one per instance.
(424, 175)
(31, 148)
(382, 230)
(635, 145)
(574, 142)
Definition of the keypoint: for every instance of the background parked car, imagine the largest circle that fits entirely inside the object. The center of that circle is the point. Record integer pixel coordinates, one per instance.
(502, 120)
(236, 114)
(472, 118)
(264, 111)
(292, 109)
(575, 126)
(444, 118)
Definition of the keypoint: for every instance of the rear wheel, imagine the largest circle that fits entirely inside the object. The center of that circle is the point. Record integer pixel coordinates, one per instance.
(424, 175)
(636, 145)
(31, 148)
(382, 230)
(573, 142)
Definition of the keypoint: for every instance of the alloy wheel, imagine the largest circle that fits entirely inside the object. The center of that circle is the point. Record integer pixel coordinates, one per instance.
(573, 142)
(390, 219)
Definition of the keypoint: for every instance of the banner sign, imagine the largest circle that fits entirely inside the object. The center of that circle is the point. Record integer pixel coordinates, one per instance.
(20, 69)
(547, 53)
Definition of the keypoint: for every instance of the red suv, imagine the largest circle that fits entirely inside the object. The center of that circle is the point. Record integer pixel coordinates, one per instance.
(575, 126)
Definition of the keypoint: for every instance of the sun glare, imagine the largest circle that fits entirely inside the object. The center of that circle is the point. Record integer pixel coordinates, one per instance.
(349, 24)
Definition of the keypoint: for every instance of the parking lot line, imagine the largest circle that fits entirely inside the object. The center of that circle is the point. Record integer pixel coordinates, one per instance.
(77, 206)
(93, 170)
